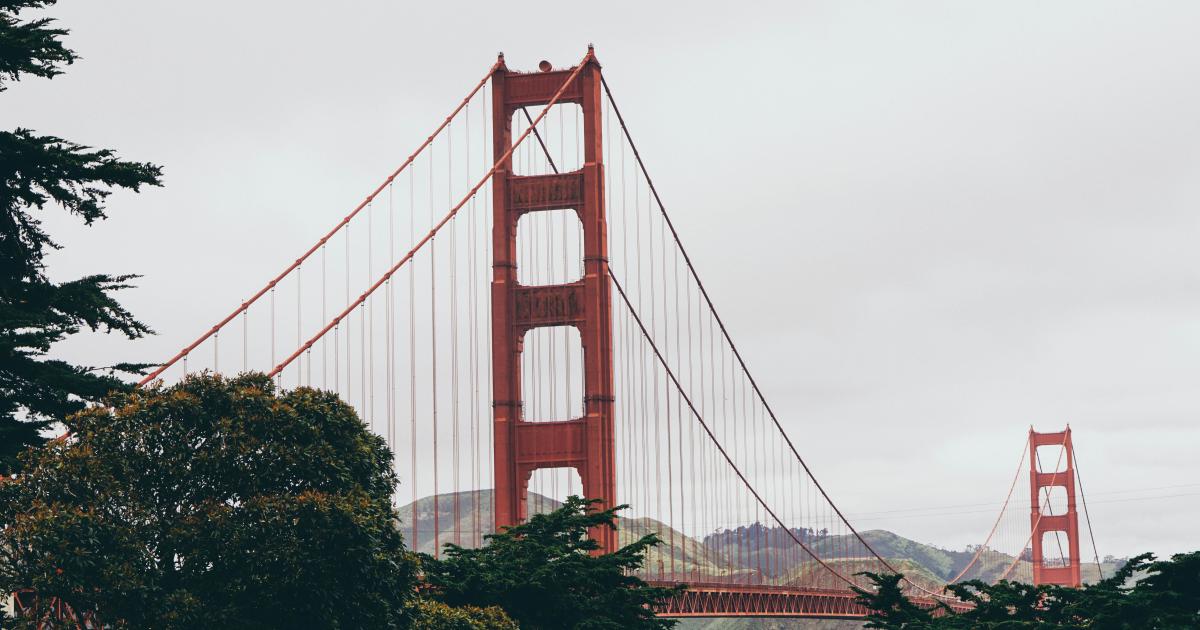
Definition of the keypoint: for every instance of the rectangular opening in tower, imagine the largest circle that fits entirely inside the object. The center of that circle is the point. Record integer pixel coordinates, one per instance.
(552, 374)
(1053, 500)
(549, 247)
(550, 487)
(1051, 458)
(1055, 551)
(557, 145)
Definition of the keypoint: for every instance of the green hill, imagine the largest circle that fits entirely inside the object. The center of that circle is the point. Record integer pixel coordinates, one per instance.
(716, 556)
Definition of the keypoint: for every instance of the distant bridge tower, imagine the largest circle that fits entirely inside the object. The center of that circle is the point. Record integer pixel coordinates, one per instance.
(585, 443)
(1043, 523)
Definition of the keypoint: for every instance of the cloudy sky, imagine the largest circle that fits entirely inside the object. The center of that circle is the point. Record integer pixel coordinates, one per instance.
(929, 225)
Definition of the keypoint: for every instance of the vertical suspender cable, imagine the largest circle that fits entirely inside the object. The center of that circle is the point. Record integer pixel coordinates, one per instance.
(477, 269)
(720, 323)
(429, 237)
(363, 350)
(324, 301)
(487, 229)
(657, 454)
(412, 353)
(391, 325)
(299, 332)
(389, 329)
(692, 433)
(349, 389)
(472, 306)
(980, 549)
(666, 396)
(707, 429)
(369, 319)
(437, 500)
(454, 416)
(679, 419)
(344, 222)
(272, 325)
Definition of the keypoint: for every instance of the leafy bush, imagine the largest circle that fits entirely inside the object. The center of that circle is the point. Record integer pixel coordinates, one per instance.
(433, 615)
(212, 503)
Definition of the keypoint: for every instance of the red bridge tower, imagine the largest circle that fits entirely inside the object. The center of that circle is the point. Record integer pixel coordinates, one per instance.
(584, 443)
(1040, 524)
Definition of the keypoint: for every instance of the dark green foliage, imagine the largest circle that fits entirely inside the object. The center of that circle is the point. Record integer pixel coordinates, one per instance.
(542, 574)
(890, 608)
(41, 170)
(35, 172)
(214, 503)
(1167, 597)
(29, 47)
(434, 615)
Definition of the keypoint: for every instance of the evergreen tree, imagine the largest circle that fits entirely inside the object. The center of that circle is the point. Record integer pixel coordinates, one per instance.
(1165, 597)
(543, 575)
(888, 605)
(37, 171)
(214, 503)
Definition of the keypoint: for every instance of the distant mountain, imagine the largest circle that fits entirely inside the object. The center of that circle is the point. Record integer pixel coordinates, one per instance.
(717, 556)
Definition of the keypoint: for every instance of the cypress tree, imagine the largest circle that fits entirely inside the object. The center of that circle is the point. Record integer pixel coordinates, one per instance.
(40, 172)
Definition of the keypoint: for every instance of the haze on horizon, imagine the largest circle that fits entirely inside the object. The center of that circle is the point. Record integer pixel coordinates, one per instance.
(928, 225)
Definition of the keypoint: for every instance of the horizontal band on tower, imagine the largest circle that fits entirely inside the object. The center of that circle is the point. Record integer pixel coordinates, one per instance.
(560, 191)
(537, 88)
(553, 305)
(551, 444)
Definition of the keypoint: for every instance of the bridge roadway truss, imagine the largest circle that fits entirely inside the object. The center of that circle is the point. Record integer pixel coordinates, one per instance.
(736, 600)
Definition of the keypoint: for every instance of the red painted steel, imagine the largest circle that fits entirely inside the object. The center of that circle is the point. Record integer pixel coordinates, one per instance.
(733, 347)
(324, 239)
(586, 443)
(721, 449)
(1041, 523)
(731, 600)
(501, 159)
(995, 527)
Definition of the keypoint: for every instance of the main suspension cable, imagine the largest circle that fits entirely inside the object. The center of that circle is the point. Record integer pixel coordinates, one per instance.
(436, 228)
(679, 388)
(345, 220)
(996, 525)
(733, 347)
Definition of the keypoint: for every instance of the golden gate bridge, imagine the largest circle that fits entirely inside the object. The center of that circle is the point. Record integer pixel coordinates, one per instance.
(514, 311)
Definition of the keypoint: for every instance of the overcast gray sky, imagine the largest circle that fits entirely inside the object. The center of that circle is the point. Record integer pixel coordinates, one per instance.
(928, 224)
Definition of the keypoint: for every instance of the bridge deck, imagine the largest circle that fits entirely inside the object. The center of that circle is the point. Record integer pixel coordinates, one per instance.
(738, 600)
